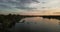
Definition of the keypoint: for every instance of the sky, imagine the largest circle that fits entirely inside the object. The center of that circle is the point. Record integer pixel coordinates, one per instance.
(28, 5)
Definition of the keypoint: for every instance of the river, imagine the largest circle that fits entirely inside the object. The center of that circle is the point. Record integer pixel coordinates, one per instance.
(38, 24)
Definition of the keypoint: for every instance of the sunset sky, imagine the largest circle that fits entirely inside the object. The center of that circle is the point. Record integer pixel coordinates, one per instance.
(29, 6)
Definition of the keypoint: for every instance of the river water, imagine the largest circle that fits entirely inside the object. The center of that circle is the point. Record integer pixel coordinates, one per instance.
(37, 24)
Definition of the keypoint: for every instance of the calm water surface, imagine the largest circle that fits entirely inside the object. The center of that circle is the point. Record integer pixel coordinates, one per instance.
(38, 24)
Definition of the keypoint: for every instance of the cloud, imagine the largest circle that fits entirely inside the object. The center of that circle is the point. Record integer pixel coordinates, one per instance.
(29, 5)
(52, 4)
(17, 4)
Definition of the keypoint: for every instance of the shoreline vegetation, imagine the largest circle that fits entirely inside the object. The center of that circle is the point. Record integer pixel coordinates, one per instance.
(7, 21)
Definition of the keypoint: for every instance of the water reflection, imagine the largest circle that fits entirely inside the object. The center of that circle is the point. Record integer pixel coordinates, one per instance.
(38, 24)
(35, 24)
